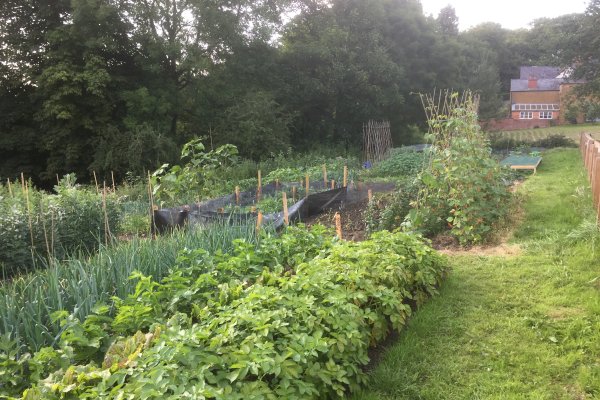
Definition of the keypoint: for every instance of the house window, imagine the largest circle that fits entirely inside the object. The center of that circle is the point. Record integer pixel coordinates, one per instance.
(546, 115)
(526, 115)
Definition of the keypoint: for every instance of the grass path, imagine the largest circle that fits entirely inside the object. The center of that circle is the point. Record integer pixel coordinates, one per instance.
(518, 327)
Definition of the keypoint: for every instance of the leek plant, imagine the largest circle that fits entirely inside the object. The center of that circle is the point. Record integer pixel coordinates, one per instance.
(77, 285)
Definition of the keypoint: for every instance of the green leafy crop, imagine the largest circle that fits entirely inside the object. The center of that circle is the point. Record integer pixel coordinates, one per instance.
(292, 318)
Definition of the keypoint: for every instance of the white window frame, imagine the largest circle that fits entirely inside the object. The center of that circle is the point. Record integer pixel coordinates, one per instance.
(546, 115)
(526, 115)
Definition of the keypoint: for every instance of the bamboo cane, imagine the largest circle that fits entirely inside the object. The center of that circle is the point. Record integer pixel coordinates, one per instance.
(96, 182)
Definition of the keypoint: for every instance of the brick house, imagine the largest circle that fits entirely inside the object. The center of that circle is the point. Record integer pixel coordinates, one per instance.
(540, 95)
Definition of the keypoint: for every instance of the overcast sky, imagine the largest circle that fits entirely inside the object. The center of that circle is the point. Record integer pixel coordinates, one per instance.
(511, 14)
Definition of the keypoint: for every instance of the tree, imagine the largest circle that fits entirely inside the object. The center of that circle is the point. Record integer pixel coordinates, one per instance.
(581, 50)
(447, 21)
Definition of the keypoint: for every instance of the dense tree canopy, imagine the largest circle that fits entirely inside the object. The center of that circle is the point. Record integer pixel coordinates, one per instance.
(119, 85)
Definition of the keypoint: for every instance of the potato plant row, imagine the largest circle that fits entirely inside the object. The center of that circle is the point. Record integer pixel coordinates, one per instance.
(291, 318)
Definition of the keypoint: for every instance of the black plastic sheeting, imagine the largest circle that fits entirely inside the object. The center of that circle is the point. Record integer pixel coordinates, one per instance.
(211, 211)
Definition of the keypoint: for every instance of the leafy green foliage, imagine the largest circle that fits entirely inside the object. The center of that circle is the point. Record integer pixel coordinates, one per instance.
(35, 224)
(28, 302)
(197, 176)
(401, 163)
(292, 318)
(388, 211)
(462, 189)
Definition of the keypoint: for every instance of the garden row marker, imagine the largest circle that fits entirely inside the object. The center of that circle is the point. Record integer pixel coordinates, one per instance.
(259, 186)
(345, 176)
(26, 186)
(112, 175)
(57, 180)
(237, 195)
(286, 217)
(9, 188)
(259, 220)
(22, 183)
(151, 204)
(332, 184)
(45, 233)
(96, 181)
(338, 225)
(106, 230)
(325, 175)
(294, 193)
(370, 195)
(307, 186)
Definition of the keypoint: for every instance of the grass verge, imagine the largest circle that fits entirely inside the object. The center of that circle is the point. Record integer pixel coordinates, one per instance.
(521, 327)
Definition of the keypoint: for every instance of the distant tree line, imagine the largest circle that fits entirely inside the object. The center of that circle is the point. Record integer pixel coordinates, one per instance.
(120, 85)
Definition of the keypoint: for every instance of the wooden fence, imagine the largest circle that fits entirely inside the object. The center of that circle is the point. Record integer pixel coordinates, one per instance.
(590, 151)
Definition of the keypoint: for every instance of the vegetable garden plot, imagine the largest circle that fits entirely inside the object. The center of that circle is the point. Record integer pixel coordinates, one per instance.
(215, 209)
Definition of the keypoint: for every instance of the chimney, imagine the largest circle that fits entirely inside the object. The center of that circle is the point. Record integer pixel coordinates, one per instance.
(532, 82)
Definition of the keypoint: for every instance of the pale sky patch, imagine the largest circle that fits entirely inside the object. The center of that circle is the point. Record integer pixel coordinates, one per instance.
(511, 14)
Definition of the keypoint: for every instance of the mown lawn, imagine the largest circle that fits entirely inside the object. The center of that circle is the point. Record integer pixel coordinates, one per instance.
(570, 131)
(520, 327)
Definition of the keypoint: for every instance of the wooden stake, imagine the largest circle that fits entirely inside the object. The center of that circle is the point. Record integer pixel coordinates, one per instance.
(259, 221)
(22, 183)
(57, 180)
(294, 193)
(370, 195)
(112, 175)
(106, 227)
(96, 181)
(338, 225)
(325, 175)
(237, 195)
(307, 186)
(332, 184)
(29, 214)
(345, 176)
(9, 188)
(151, 200)
(286, 217)
(259, 182)
(45, 233)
